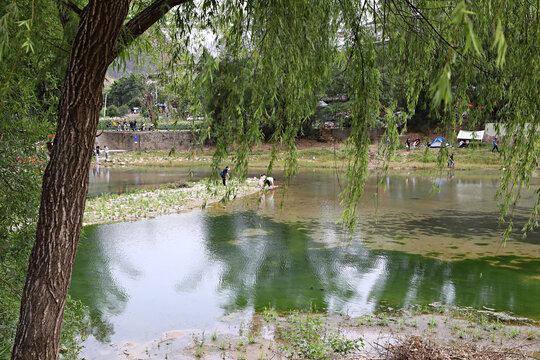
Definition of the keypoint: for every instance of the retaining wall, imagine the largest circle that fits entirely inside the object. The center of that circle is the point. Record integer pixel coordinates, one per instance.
(145, 140)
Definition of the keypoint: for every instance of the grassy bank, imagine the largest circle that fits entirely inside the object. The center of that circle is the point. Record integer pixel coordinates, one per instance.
(318, 155)
(161, 201)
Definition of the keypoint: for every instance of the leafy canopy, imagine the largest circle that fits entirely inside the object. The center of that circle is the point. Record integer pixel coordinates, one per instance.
(287, 50)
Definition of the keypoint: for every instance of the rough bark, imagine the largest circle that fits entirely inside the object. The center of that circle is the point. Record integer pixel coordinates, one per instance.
(65, 182)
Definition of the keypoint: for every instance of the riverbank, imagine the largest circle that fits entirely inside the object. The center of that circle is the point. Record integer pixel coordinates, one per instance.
(315, 154)
(166, 199)
(434, 332)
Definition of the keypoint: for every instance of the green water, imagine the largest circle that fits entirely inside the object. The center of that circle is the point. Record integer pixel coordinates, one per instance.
(284, 249)
(105, 180)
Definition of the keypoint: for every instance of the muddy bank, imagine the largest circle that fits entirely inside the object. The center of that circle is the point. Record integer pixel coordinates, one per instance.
(472, 334)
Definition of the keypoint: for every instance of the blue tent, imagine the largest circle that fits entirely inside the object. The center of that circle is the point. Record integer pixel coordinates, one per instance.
(437, 143)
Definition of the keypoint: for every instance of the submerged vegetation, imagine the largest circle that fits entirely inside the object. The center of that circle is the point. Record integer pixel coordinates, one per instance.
(149, 203)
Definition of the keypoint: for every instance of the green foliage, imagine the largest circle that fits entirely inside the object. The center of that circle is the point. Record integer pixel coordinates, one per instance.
(30, 73)
(123, 110)
(270, 314)
(308, 337)
(112, 111)
(126, 90)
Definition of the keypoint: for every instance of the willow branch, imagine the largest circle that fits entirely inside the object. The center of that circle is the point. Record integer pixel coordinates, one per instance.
(142, 21)
(443, 39)
(439, 35)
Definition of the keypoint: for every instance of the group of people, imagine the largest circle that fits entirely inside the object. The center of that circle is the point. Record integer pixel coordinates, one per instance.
(98, 152)
(123, 125)
(414, 144)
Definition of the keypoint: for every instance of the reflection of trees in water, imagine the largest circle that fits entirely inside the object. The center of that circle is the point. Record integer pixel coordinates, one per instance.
(414, 279)
(94, 284)
(267, 268)
(283, 266)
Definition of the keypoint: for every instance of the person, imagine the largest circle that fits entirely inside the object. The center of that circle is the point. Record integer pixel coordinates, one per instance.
(451, 162)
(408, 144)
(106, 149)
(269, 181)
(495, 147)
(224, 175)
(262, 179)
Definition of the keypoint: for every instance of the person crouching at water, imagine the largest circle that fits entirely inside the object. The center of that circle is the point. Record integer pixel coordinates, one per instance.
(224, 175)
(269, 181)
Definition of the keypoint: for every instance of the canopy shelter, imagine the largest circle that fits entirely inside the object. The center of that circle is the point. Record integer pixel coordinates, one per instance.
(470, 135)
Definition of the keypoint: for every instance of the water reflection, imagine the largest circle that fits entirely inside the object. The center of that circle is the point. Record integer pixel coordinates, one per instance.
(106, 180)
(186, 271)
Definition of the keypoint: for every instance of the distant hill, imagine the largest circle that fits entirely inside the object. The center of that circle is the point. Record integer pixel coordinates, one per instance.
(114, 73)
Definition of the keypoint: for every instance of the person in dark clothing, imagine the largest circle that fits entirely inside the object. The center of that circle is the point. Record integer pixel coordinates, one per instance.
(451, 162)
(495, 147)
(408, 144)
(224, 175)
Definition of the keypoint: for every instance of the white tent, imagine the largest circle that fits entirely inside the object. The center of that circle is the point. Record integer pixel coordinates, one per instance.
(470, 135)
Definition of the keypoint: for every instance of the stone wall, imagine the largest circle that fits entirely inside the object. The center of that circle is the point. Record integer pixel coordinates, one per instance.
(145, 140)
(183, 139)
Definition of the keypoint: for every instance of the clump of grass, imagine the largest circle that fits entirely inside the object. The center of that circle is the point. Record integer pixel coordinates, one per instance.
(199, 345)
(269, 314)
(432, 323)
(308, 337)
(222, 345)
(514, 332)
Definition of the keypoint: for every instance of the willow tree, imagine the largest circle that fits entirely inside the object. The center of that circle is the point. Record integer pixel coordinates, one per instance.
(289, 47)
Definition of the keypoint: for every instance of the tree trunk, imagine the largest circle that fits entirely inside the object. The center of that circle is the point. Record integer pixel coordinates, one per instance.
(65, 182)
